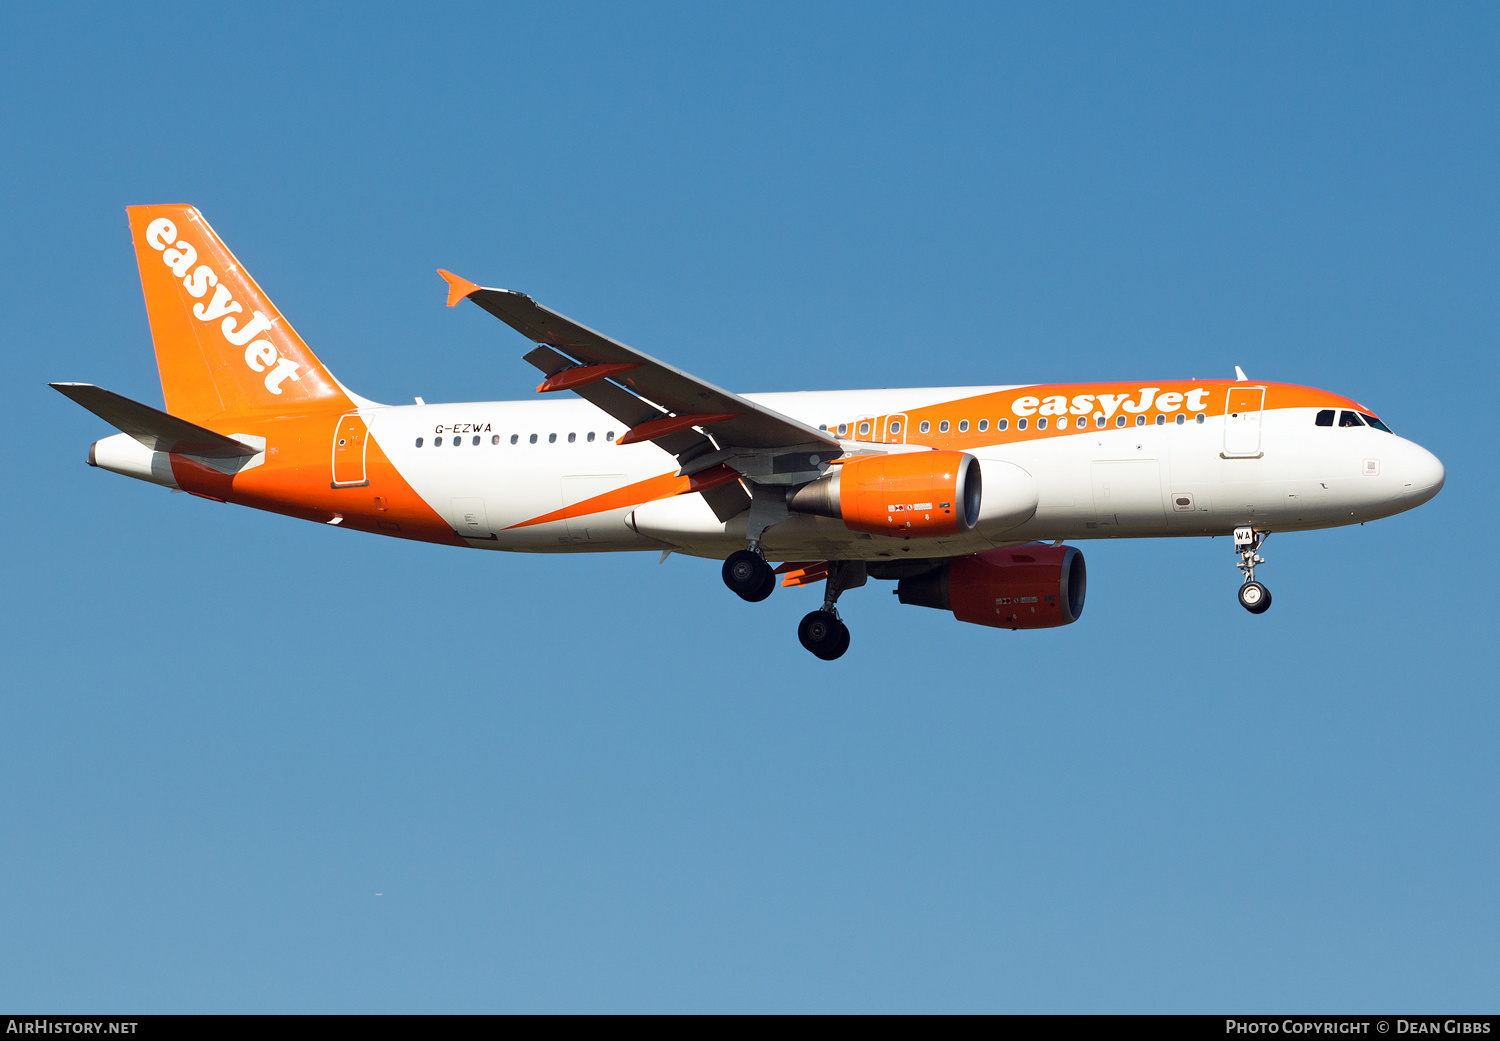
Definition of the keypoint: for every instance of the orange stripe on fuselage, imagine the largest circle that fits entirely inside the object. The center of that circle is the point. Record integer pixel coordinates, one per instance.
(663, 486)
(1082, 402)
(296, 480)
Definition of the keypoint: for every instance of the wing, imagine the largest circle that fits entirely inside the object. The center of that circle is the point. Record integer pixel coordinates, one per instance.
(699, 423)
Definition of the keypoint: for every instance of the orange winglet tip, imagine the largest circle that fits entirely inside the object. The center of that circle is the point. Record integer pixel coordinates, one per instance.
(458, 288)
(581, 376)
(671, 425)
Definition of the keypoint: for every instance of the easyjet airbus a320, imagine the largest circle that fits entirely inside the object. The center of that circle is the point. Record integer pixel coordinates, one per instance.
(961, 495)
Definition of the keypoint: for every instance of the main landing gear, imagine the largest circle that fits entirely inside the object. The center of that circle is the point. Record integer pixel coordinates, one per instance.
(823, 632)
(1254, 597)
(747, 573)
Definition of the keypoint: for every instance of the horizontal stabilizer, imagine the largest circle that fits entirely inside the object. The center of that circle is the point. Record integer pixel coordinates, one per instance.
(155, 429)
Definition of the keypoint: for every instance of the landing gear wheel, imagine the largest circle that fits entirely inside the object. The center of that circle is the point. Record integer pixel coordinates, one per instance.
(822, 633)
(749, 575)
(1255, 597)
(767, 587)
(843, 642)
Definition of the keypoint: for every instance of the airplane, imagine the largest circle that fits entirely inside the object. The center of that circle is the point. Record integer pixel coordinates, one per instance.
(965, 497)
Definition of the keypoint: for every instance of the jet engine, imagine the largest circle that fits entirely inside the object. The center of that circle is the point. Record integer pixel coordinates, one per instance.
(907, 494)
(1035, 586)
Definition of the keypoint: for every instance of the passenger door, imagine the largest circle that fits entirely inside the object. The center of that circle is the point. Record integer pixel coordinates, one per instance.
(1243, 409)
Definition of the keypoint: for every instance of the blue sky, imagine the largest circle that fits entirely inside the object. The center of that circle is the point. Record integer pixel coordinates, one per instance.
(600, 783)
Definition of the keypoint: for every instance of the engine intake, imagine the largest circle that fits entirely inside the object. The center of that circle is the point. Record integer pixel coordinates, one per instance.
(1026, 587)
(906, 494)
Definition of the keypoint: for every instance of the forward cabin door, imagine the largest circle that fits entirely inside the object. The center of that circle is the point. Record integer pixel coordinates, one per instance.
(1242, 412)
(351, 440)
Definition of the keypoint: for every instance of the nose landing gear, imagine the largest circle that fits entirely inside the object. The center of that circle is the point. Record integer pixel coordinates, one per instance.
(1254, 597)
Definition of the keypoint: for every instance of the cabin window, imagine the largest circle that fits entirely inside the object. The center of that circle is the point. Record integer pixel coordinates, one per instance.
(419, 442)
(864, 428)
(476, 439)
(1041, 424)
(926, 426)
(495, 440)
(1325, 418)
(963, 426)
(1140, 421)
(591, 435)
(943, 427)
(514, 438)
(822, 426)
(984, 424)
(572, 437)
(1119, 421)
(1377, 424)
(1020, 424)
(1161, 420)
(609, 436)
(1002, 424)
(552, 439)
(1082, 422)
(1350, 419)
(1181, 418)
(1199, 418)
(457, 441)
(533, 439)
(1099, 419)
(895, 426)
(437, 442)
(843, 428)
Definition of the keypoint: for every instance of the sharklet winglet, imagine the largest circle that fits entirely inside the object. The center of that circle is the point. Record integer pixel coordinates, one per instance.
(458, 288)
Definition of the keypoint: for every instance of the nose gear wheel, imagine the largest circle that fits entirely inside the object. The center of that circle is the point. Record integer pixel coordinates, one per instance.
(1254, 596)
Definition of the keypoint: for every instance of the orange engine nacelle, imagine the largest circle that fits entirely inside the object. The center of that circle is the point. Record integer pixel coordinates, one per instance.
(907, 494)
(1026, 587)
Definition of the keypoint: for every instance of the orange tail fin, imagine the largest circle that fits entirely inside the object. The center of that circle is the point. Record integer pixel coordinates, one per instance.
(222, 348)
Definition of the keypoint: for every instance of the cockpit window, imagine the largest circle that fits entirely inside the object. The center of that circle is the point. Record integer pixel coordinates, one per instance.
(1377, 424)
(1325, 418)
(1350, 419)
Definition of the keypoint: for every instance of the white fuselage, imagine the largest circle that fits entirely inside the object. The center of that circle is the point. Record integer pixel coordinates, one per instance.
(533, 458)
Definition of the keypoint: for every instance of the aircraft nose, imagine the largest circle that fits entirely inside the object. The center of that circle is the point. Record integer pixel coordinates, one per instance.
(1423, 475)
